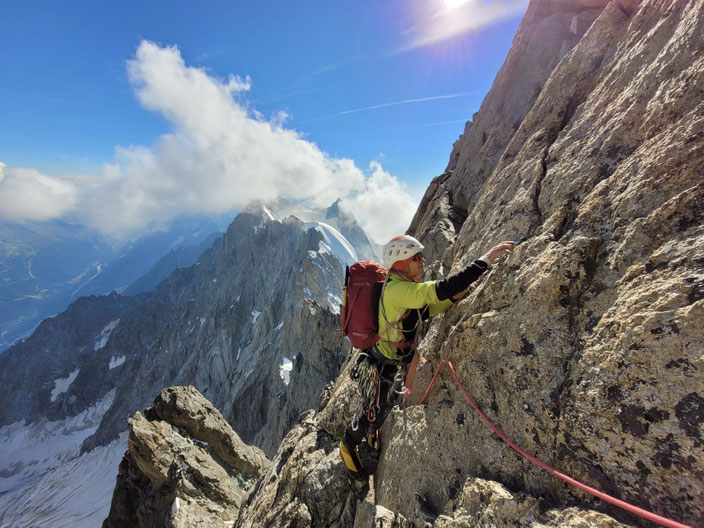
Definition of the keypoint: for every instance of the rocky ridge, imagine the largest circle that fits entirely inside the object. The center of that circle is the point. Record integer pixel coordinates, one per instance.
(185, 466)
(586, 347)
(257, 302)
(62, 345)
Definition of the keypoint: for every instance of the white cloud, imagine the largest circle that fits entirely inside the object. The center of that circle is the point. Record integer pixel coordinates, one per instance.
(384, 206)
(26, 194)
(437, 21)
(219, 156)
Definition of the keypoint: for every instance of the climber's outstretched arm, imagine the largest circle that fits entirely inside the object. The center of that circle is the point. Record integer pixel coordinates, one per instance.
(456, 286)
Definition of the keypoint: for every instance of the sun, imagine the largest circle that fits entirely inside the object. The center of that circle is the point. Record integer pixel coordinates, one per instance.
(452, 4)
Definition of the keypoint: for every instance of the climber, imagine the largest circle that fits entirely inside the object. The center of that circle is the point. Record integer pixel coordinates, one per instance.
(405, 301)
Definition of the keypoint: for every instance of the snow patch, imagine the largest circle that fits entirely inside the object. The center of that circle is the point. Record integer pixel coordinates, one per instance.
(116, 362)
(61, 385)
(202, 321)
(285, 370)
(238, 354)
(334, 302)
(323, 248)
(268, 213)
(255, 316)
(30, 451)
(72, 491)
(278, 327)
(333, 242)
(105, 334)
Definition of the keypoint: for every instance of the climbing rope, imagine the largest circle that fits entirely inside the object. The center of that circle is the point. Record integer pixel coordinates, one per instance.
(592, 491)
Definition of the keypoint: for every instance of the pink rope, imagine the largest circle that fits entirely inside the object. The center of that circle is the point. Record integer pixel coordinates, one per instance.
(592, 491)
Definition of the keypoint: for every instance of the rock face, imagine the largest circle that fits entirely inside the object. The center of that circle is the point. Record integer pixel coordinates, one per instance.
(184, 467)
(549, 30)
(587, 345)
(307, 484)
(32, 371)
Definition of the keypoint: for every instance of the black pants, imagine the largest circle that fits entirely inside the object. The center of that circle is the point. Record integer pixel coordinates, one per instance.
(355, 437)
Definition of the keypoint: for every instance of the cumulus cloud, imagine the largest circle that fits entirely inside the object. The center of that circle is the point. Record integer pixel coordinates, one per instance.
(382, 206)
(26, 194)
(220, 155)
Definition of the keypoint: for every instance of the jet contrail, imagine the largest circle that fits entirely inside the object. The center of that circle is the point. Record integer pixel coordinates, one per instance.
(422, 99)
(374, 107)
(431, 124)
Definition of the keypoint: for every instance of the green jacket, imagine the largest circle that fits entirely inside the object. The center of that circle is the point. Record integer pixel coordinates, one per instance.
(401, 295)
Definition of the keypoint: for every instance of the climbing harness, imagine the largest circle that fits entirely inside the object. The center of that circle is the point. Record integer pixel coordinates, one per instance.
(588, 489)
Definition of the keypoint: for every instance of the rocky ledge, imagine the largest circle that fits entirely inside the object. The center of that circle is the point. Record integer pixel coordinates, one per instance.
(184, 466)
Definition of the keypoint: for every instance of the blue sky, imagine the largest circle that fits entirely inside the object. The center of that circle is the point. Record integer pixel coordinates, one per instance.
(361, 87)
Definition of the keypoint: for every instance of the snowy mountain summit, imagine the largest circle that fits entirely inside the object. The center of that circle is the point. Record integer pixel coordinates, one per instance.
(252, 325)
(340, 229)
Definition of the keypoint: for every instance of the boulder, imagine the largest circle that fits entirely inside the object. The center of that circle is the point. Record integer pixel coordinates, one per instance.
(185, 466)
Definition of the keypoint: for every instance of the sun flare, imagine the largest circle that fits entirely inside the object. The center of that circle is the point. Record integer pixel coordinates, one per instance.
(452, 4)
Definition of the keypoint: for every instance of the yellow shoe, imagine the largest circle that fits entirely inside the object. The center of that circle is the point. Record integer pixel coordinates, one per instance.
(351, 460)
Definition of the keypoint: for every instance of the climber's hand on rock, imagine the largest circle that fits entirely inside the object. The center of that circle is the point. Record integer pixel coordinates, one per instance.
(463, 294)
(498, 251)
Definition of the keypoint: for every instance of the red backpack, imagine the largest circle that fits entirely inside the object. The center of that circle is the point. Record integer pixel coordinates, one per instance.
(360, 304)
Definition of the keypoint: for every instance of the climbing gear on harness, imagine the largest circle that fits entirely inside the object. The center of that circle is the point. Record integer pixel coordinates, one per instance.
(398, 385)
(367, 372)
(379, 379)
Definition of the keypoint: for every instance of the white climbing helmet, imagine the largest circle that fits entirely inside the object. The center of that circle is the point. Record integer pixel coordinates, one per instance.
(400, 248)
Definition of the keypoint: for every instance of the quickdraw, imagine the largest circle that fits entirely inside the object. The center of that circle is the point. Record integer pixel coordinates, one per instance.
(366, 373)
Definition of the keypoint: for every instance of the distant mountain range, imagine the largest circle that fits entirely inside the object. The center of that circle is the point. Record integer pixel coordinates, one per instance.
(45, 266)
(252, 324)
